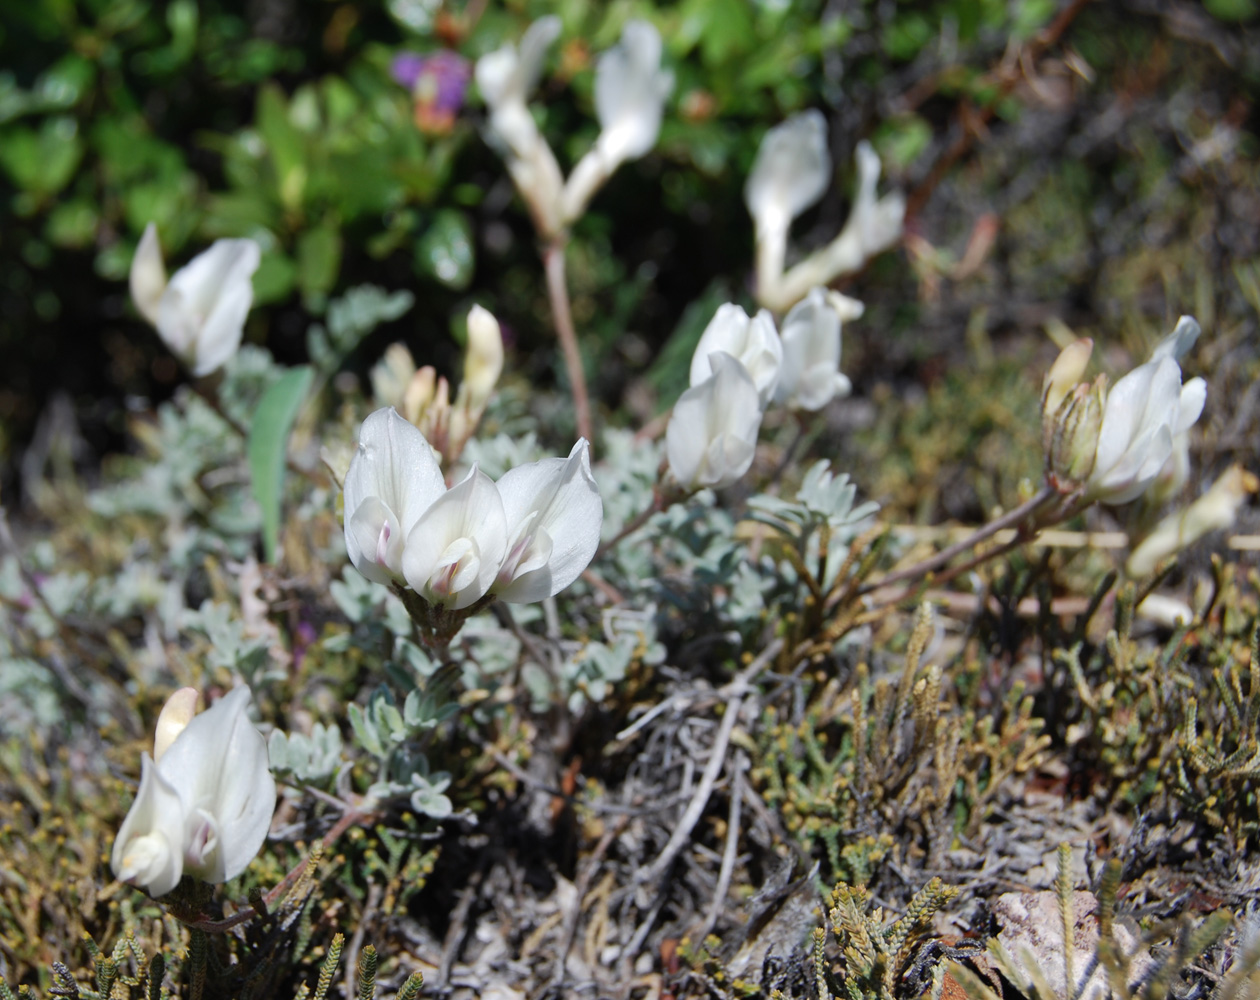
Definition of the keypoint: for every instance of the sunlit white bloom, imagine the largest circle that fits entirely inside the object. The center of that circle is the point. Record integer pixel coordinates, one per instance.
(454, 551)
(876, 221)
(754, 342)
(200, 313)
(1213, 511)
(630, 93)
(506, 78)
(790, 173)
(712, 433)
(1144, 411)
(393, 479)
(810, 377)
(554, 515)
(203, 809)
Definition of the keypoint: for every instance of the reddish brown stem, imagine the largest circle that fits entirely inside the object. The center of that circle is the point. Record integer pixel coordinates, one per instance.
(348, 819)
(558, 294)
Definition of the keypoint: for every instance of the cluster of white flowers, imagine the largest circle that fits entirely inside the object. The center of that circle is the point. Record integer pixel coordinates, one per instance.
(791, 172)
(200, 313)
(630, 93)
(522, 539)
(206, 797)
(740, 365)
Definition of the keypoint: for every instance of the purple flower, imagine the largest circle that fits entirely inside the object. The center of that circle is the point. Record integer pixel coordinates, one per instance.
(438, 82)
(406, 69)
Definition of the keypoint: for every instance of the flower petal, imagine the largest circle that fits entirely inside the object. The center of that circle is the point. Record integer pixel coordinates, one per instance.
(791, 171)
(563, 495)
(394, 464)
(470, 512)
(219, 763)
(148, 850)
(148, 274)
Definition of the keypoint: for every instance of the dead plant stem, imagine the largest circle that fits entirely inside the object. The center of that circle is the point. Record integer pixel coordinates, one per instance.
(1011, 518)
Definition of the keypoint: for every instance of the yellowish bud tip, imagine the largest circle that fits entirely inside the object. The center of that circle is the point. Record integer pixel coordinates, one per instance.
(484, 362)
(176, 714)
(419, 394)
(1067, 370)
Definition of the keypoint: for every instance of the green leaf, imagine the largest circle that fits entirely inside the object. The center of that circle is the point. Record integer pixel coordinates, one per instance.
(445, 251)
(1231, 10)
(42, 162)
(285, 144)
(274, 279)
(319, 259)
(268, 447)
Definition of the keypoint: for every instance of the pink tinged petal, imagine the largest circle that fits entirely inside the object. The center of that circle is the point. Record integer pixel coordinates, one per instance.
(555, 512)
(148, 851)
(201, 844)
(458, 577)
(394, 466)
(375, 542)
(148, 274)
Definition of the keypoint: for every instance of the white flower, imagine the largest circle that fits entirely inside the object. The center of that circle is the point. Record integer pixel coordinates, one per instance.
(200, 313)
(751, 341)
(810, 377)
(393, 479)
(554, 515)
(876, 221)
(454, 551)
(1213, 511)
(1143, 413)
(712, 433)
(630, 93)
(790, 173)
(204, 806)
(506, 77)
